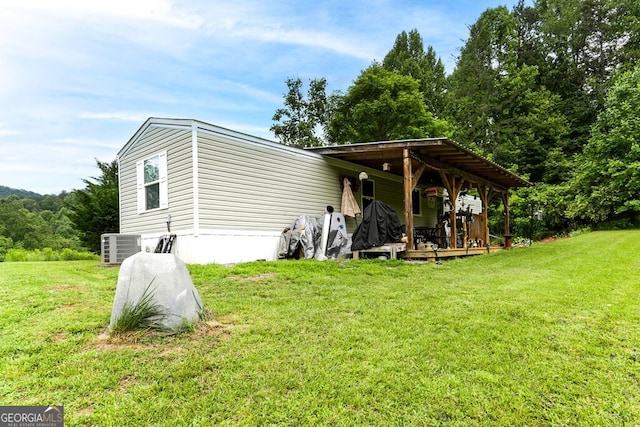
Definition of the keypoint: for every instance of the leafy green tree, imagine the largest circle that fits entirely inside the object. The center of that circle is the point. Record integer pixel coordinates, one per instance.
(302, 120)
(499, 107)
(530, 50)
(382, 105)
(5, 244)
(606, 185)
(408, 57)
(18, 223)
(26, 224)
(52, 203)
(94, 210)
(581, 44)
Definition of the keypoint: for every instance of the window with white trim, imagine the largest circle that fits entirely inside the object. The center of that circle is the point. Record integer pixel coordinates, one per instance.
(368, 192)
(152, 183)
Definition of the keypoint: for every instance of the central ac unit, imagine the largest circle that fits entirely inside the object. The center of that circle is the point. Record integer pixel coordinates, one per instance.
(116, 248)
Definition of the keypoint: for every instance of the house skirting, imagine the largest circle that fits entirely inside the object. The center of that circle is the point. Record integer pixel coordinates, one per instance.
(219, 246)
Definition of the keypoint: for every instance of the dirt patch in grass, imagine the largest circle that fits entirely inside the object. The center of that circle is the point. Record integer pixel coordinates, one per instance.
(253, 279)
(68, 307)
(86, 411)
(64, 287)
(212, 327)
(125, 382)
(148, 339)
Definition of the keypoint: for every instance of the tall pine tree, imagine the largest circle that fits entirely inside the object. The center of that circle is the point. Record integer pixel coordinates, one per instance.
(94, 210)
(408, 57)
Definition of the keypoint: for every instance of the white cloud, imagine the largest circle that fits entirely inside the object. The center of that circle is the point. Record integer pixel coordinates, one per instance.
(89, 144)
(314, 39)
(125, 116)
(7, 132)
(161, 11)
(281, 23)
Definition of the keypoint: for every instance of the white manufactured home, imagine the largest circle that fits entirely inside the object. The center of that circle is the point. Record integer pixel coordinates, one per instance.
(228, 196)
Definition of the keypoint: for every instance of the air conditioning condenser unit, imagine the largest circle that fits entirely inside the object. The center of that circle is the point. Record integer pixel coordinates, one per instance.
(115, 248)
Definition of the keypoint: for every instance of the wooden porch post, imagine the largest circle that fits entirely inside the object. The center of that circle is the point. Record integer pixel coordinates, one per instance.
(484, 197)
(453, 188)
(408, 199)
(507, 227)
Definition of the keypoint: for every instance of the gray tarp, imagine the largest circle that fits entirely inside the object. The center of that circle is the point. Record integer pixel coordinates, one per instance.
(304, 235)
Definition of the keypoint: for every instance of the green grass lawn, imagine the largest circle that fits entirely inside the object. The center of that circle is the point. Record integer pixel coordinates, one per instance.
(545, 335)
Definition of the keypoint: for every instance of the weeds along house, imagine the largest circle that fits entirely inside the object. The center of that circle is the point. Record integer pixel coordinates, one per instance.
(229, 195)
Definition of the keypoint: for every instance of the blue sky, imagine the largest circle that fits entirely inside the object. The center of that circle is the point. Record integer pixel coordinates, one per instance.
(79, 77)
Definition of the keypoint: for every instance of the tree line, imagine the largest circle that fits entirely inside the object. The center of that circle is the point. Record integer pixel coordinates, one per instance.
(67, 221)
(550, 91)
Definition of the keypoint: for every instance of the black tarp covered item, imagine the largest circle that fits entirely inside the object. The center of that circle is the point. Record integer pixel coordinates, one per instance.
(380, 225)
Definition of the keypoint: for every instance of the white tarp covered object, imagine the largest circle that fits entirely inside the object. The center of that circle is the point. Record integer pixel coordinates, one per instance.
(304, 237)
(168, 280)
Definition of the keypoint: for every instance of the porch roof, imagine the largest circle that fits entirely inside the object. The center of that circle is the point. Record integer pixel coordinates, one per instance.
(437, 154)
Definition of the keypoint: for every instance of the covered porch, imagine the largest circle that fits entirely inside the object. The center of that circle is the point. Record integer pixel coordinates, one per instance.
(442, 163)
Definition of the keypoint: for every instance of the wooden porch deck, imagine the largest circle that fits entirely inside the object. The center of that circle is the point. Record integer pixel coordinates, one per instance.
(436, 255)
(399, 250)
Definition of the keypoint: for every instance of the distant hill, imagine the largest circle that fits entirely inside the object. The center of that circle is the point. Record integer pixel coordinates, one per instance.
(8, 191)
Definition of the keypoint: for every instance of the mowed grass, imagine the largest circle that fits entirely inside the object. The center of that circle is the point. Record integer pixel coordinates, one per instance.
(544, 335)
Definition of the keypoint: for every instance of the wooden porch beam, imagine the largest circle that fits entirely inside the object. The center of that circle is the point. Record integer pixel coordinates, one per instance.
(451, 170)
(416, 176)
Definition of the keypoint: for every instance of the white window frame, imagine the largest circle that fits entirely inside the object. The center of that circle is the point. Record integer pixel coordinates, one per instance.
(162, 181)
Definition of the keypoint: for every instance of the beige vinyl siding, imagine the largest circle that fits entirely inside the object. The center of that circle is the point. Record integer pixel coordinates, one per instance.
(259, 185)
(429, 216)
(245, 183)
(391, 191)
(177, 144)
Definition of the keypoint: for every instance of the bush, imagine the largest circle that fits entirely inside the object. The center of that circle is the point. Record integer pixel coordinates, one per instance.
(71, 255)
(16, 255)
(48, 254)
(6, 243)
